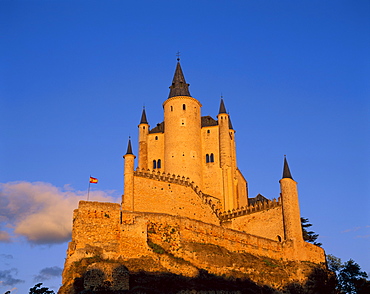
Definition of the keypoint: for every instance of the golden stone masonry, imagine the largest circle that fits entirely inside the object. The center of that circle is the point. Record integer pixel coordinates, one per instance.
(184, 204)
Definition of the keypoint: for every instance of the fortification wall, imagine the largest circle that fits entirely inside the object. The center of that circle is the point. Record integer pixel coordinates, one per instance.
(152, 195)
(96, 225)
(267, 223)
(174, 232)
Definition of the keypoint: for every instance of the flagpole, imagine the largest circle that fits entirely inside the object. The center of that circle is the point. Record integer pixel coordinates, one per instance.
(88, 191)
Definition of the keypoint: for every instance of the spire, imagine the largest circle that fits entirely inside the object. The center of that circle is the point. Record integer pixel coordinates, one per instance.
(222, 107)
(143, 117)
(129, 148)
(230, 124)
(179, 86)
(286, 171)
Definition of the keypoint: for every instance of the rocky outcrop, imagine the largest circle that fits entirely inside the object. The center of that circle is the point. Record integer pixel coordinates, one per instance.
(208, 269)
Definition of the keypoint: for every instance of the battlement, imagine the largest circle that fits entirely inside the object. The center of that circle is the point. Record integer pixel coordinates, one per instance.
(213, 202)
(257, 207)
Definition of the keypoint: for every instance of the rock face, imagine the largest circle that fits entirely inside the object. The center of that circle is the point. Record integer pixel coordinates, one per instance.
(223, 272)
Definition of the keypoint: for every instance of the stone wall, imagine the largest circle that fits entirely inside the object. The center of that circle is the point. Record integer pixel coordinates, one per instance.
(152, 195)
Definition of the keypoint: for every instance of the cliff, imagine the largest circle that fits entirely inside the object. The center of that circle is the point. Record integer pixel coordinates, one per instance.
(208, 269)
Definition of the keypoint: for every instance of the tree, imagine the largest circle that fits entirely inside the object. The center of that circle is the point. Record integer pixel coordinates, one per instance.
(352, 280)
(309, 236)
(38, 290)
(334, 263)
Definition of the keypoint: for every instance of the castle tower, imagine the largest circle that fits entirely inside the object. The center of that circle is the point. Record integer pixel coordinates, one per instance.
(143, 141)
(226, 158)
(182, 131)
(291, 213)
(128, 196)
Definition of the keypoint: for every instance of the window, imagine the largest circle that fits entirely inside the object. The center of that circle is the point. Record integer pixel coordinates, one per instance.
(171, 108)
(156, 137)
(154, 164)
(183, 107)
(208, 131)
(211, 158)
(207, 158)
(159, 163)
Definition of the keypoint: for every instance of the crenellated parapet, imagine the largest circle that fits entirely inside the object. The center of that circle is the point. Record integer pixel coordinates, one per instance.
(213, 202)
(210, 200)
(257, 207)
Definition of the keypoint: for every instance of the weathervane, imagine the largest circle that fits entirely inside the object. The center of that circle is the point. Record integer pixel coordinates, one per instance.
(178, 55)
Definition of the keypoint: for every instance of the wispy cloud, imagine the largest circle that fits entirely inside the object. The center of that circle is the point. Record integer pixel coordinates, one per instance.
(355, 229)
(6, 256)
(7, 279)
(40, 211)
(48, 273)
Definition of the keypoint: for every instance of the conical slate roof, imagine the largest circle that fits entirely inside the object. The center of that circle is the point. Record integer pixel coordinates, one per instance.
(143, 117)
(179, 86)
(222, 107)
(286, 170)
(129, 148)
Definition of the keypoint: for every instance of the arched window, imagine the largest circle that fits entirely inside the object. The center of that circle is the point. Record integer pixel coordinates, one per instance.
(183, 107)
(156, 137)
(208, 131)
(159, 163)
(211, 158)
(154, 164)
(207, 158)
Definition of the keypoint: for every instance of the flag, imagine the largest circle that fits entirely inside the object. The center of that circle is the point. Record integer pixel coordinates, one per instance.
(93, 180)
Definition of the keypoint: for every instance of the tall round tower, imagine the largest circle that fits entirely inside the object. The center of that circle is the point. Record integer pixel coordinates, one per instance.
(143, 141)
(182, 131)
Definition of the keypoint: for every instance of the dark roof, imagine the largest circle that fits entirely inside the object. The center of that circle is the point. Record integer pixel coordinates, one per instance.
(258, 198)
(158, 129)
(230, 124)
(286, 170)
(207, 121)
(129, 148)
(222, 107)
(143, 117)
(179, 86)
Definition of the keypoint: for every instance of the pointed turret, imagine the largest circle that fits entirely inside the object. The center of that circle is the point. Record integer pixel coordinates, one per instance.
(230, 124)
(143, 117)
(222, 107)
(286, 170)
(129, 148)
(179, 86)
(128, 183)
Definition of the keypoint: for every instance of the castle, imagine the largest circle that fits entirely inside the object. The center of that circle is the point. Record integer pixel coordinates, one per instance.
(187, 189)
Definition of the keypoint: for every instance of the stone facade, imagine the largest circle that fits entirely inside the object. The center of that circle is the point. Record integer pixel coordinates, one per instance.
(187, 192)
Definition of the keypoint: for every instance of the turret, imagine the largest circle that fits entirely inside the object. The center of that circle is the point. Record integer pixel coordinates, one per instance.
(143, 141)
(128, 196)
(226, 152)
(182, 130)
(291, 213)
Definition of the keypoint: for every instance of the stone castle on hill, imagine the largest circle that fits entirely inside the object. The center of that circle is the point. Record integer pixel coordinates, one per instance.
(186, 198)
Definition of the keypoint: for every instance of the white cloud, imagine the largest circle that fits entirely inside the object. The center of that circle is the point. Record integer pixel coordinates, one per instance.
(40, 211)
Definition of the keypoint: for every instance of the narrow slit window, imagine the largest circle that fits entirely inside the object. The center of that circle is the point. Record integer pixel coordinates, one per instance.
(154, 164)
(207, 158)
(156, 137)
(211, 158)
(183, 107)
(158, 163)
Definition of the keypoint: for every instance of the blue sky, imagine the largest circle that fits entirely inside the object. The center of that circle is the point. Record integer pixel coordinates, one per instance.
(75, 75)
